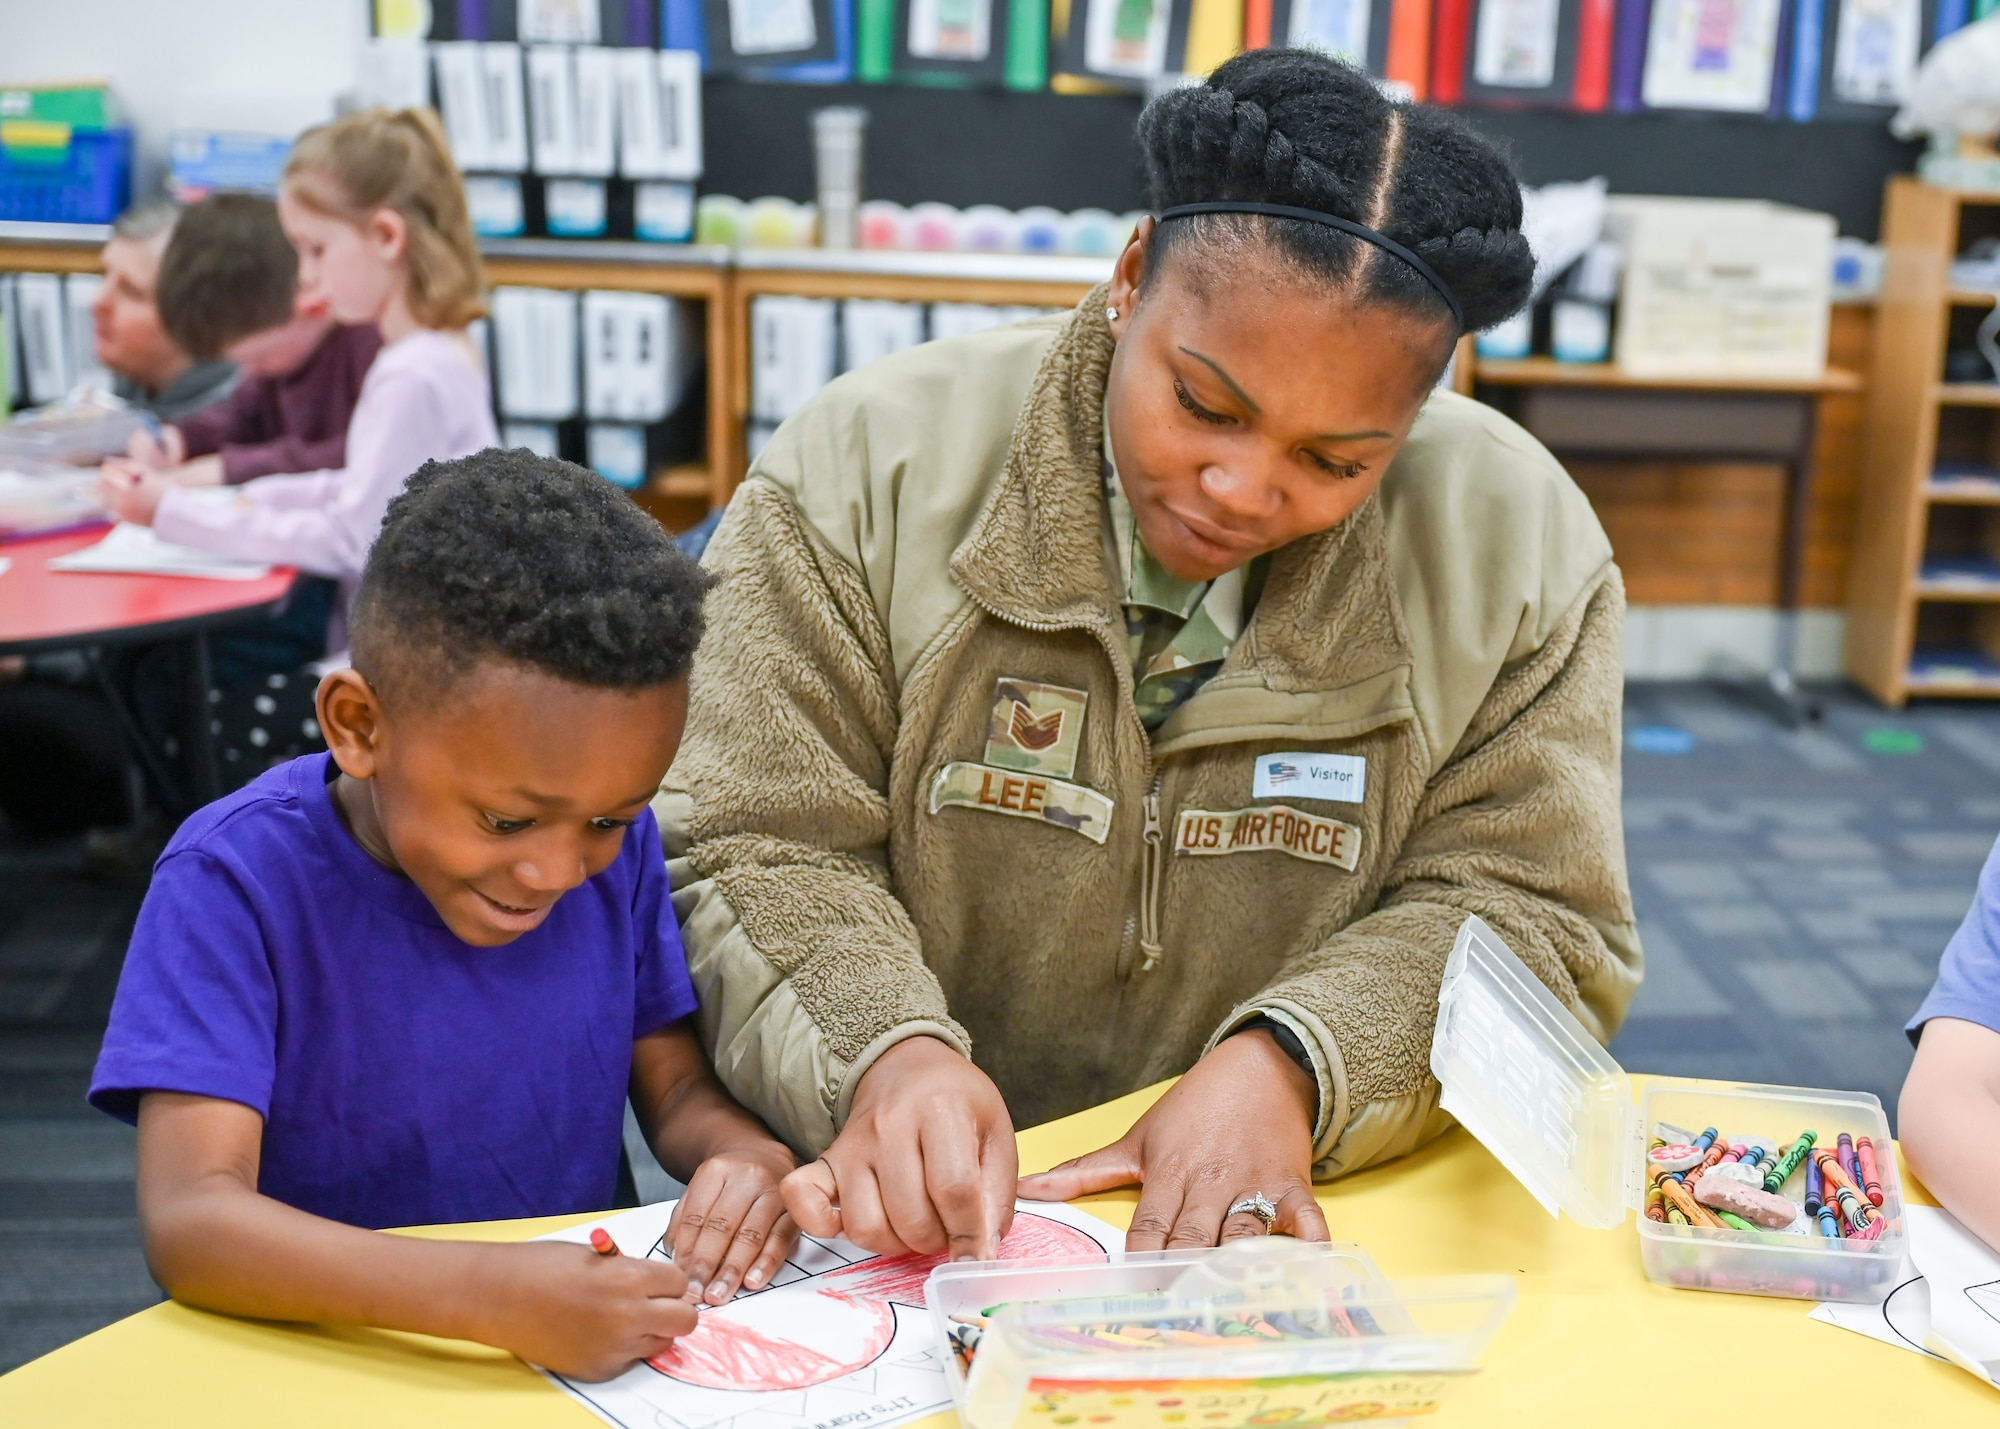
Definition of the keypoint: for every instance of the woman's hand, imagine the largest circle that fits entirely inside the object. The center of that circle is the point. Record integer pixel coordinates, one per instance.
(1238, 1124)
(925, 1164)
(131, 492)
(581, 1314)
(731, 1228)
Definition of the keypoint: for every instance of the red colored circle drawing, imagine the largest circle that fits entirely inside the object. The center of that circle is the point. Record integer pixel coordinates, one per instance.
(767, 1342)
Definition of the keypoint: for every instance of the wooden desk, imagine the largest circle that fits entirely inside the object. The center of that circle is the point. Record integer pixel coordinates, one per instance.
(1717, 418)
(1591, 1342)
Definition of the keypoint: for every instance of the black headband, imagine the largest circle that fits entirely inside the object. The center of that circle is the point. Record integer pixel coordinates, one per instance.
(1346, 225)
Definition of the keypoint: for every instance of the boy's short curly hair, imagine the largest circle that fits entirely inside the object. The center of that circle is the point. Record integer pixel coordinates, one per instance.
(509, 556)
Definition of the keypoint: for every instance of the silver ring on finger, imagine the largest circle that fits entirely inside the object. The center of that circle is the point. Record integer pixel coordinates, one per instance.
(1256, 1204)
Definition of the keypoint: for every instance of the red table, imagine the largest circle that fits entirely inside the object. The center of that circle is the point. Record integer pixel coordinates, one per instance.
(41, 609)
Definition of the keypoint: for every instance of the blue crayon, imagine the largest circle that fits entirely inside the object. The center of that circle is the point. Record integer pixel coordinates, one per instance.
(1828, 1226)
(1706, 1140)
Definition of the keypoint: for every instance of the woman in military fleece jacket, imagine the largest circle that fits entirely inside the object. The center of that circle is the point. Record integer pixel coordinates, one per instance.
(1081, 694)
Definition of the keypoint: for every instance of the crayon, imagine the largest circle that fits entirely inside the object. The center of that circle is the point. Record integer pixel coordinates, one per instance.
(1844, 1154)
(1854, 1209)
(1656, 1204)
(1675, 1218)
(1871, 1178)
(1828, 1226)
(1712, 1157)
(1696, 1213)
(1735, 1153)
(1789, 1162)
(601, 1241)
(1815, 1183)
(1702, 1142)
(1836, 1178)
(1735, 1222)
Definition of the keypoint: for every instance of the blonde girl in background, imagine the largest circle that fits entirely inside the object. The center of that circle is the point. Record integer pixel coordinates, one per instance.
(377, 212)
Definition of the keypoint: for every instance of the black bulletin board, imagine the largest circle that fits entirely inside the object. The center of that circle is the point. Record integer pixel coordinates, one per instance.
(965, 146)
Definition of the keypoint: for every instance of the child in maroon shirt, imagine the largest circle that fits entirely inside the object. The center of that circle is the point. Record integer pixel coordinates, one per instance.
(228, 287)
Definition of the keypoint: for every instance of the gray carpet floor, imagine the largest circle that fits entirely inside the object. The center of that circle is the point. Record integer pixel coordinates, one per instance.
(1794, 890)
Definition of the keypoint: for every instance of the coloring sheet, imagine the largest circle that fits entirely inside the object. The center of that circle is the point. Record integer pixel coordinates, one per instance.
(1950, 1309)
(1711, 54)
(840, 1336)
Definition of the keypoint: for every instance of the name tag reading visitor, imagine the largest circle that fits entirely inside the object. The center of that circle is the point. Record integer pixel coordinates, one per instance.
(1271, 829)
(1023, 796)
(1342, 777)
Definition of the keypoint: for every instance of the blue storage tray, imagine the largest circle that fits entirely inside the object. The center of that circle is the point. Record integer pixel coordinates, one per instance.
(88, 182)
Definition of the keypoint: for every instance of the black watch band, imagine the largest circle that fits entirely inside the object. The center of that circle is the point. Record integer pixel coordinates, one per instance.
(1287, 1040)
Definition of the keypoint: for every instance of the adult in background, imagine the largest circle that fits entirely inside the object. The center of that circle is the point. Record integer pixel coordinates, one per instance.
(148, 368)
(1156, 691)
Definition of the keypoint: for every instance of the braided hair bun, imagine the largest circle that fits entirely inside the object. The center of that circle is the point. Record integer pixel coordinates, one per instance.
(1300, 128)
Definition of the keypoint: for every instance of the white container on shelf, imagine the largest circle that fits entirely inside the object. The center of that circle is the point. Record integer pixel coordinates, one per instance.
(1729, 287)
(1524, 1077)
(934, 227)
(883, 224)
(986, 228)
(1042, 230)
(1093, 233)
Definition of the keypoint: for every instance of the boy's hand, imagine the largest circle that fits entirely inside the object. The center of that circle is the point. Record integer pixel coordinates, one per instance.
(731, 1228)
(581, 1314)
(925, 1164)
(169, 448)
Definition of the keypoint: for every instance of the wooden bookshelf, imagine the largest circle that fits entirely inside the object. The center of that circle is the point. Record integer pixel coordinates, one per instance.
(1903, 627)
(995, 279)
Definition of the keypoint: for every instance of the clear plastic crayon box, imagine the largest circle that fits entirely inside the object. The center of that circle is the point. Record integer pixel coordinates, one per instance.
(1258, 1332)
(1521, 1074)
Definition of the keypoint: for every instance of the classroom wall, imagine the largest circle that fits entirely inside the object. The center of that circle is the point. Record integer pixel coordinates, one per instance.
(256, 63)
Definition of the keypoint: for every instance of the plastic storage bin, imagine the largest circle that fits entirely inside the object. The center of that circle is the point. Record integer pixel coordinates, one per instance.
(1364, 1348)
(87, 180)
(1521, 1074)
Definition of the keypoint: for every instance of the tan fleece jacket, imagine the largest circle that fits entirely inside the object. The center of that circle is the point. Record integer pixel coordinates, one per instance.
(852, 867)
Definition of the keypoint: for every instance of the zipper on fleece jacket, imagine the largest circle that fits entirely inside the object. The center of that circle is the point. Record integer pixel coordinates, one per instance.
(1152, 881)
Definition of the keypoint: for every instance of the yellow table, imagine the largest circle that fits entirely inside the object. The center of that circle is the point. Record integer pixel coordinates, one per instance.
(1591, 1341)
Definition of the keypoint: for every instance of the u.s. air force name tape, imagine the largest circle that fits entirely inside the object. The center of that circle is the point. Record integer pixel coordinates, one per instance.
(1272, 827)
(1023, 796)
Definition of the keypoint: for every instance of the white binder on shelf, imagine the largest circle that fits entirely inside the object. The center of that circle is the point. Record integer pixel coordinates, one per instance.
(792, 353)
(79, 292)
(38, 308)
(552, 108)
(393, 73)
(634, 356)
(870, 329)
(506, 106)
(10, 346)
(596, 113)
(461, 92)
(572, 22)
(535, 344)
(659, 113)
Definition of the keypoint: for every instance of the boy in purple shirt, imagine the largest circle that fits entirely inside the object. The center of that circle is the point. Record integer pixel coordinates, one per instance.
(414, 980)
(1949, 1115)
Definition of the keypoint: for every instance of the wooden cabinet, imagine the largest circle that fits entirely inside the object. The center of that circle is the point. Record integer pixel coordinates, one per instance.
(1924, 583)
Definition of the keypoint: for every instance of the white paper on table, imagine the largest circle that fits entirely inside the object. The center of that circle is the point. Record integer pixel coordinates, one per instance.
(839, 1336)
(1950, 1310)
(134, 550)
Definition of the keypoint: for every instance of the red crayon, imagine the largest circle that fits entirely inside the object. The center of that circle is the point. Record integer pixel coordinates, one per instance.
(1871, 1180)
(601, 1241)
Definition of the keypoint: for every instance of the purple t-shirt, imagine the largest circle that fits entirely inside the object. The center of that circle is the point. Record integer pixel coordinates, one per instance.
(404, 1077)
(1968, 980)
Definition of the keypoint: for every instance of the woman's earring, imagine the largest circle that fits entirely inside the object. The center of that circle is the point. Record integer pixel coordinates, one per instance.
(1111, 314)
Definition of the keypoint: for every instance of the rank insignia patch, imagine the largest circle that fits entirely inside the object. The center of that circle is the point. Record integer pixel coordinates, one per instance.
(1035, 728)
